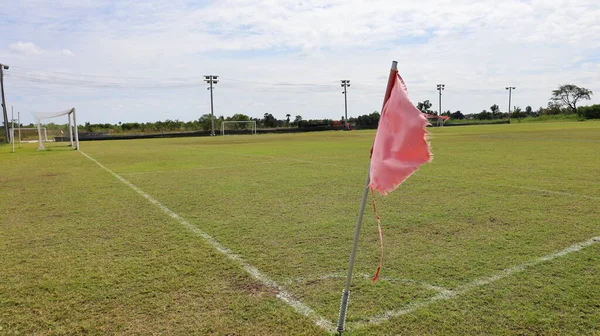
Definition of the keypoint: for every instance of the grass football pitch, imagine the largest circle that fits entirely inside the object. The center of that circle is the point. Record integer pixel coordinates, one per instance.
(250, 235)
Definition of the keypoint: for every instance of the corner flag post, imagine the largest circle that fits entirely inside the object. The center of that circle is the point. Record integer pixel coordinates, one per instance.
(361, 211)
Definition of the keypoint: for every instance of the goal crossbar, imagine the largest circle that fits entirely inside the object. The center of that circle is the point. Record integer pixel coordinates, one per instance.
(252, 122)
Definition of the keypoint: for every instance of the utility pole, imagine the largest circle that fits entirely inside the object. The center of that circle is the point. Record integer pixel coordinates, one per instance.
(345, 85)
(211, 79)
(509, 88)
(6, 132)
(440, 88)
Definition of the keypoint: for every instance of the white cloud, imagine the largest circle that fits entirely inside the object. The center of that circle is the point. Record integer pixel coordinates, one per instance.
(25, 48)
(30, 49)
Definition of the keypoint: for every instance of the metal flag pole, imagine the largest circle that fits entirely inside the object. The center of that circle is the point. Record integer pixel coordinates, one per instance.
(361, 211)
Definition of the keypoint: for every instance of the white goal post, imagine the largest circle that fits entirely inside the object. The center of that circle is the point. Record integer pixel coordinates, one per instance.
(252, 125)
(72, 126)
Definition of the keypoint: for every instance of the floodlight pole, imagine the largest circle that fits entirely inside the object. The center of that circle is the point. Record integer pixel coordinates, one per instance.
(440, 88)
(211, 79)
(2, 68)
(509, 88)
(361, 211)
(345, 85)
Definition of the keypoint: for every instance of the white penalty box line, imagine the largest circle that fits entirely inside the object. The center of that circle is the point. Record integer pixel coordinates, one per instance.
(282, 293)
(448, 294)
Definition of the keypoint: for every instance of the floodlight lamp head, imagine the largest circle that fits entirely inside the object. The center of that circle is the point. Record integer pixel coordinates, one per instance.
(5, 66)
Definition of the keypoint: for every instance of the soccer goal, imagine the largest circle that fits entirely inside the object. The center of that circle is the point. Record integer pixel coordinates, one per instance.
(15, 134)
(72, 124)
(238, 125)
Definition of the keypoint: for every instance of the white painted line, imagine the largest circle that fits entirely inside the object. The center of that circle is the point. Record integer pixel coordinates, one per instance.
(200, 168)
(476, 283)
(282, 293)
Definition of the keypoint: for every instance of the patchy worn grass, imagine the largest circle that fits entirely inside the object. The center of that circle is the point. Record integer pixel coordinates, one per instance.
(84, 253)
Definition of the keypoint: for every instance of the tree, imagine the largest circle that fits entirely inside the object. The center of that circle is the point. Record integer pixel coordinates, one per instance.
(287, 120)
(424, 107)
(569, 94)
(270, 120)
(457, 115)
(297, 120)
(484, 115)
(517, 113)
(205, 122)
(495, 109)
(590, 112)
(529, 111)
(553, 108)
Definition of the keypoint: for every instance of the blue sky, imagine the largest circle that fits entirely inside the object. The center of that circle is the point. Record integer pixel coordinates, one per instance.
(144, 61)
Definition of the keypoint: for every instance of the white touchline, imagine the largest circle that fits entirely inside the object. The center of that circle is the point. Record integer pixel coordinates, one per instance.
(476, 283)
(282, 293)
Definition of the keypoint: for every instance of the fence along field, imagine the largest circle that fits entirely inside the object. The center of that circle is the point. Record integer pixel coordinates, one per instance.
(495, 236)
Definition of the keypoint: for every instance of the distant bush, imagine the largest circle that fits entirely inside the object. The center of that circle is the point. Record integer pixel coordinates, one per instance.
(552, 118)
(589, 112)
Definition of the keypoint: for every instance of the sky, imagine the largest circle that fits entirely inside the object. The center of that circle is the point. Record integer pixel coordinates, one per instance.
(127, 61)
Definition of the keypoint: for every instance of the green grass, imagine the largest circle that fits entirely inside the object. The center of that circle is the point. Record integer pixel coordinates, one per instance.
(82, 253)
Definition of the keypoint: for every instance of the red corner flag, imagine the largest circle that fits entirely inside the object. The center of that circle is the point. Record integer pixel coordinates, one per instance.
(400, 146)
(399, 149)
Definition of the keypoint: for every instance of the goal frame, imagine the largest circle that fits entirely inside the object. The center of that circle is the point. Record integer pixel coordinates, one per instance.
(252, 122)
(72, 126)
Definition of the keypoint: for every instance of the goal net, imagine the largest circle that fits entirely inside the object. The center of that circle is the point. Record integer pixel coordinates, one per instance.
(73, 133)
(238, 127)
(20, 134)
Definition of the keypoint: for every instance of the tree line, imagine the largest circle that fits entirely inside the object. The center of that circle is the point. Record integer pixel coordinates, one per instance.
(563, 101)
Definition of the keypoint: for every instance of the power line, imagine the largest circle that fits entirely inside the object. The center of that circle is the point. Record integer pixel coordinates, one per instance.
(98, 76)
(99, 84)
